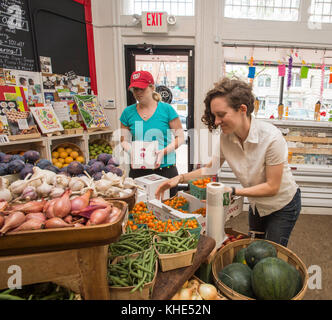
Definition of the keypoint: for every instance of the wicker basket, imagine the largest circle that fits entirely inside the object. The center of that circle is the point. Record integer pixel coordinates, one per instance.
(173, 261)
(123, 293)
(226, 255)
(70, 145)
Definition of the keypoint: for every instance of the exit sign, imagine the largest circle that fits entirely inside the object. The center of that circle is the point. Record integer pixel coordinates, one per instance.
(154, 22)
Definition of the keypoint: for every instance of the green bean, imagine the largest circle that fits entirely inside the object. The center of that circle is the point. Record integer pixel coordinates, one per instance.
(139, 284)
(9, 297)
(119, 281)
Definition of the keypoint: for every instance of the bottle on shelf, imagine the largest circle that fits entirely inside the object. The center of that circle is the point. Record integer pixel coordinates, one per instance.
(317, 111)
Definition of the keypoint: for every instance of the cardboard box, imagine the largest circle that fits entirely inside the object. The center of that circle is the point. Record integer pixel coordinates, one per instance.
(143, 154)
(151, 183)
(141, 196)
(164, 212)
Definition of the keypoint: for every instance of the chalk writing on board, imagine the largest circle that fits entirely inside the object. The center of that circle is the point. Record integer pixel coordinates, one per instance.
(16, 49)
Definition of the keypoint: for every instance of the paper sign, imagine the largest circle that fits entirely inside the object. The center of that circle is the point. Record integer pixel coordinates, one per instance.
(4, 138)
(282, 70)
(22, 124)
(61, 109)
(304, 72)
(252, 72)
(330, 80)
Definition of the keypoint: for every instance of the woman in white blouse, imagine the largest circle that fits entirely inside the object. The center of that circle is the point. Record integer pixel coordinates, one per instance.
(257, 153)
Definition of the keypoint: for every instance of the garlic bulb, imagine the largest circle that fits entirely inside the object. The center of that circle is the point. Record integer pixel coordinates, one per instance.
(61, 181)
(44, 189)
(40, 173)
(18, 186)
(5, 193)
(29, 193)
(56, 192)
(103, 185)
(76, 184)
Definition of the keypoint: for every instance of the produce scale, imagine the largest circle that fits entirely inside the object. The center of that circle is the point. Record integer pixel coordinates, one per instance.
(79, 231)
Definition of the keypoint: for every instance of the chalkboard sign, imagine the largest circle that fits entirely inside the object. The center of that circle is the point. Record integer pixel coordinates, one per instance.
(60, 33)
(16, 46)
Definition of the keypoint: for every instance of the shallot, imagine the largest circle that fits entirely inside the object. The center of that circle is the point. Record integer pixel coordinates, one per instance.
(30, 207)
(100, 216)
(2, 221)
(86, 212)
(36, 215)
(81, 202)
(62, 206)
(31, 224)
(68, 219)
(78, 225)
(56, 223)
(3, 205)
(14, 220)
(48, 209)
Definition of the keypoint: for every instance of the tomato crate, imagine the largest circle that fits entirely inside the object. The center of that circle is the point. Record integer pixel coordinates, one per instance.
(199, 190)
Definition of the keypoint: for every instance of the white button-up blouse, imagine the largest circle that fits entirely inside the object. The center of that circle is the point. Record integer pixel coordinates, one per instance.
(264, 146)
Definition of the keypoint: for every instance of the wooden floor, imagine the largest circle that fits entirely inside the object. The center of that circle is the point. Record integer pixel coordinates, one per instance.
(311, 240)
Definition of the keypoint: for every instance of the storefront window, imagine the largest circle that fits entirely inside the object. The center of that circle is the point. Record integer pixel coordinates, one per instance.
(280, 10)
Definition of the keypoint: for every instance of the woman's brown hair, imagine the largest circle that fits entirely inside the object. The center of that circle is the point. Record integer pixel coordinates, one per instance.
(236, 92)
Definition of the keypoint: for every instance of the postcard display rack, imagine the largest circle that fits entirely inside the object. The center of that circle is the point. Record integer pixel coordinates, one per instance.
(309, 157)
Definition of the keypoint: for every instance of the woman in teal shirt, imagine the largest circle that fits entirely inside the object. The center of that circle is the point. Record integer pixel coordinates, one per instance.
(151, 119)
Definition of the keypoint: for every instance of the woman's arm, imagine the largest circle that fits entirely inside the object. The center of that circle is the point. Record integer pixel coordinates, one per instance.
(267, 189)
(125, 136)
(178, 132)
(208, 170)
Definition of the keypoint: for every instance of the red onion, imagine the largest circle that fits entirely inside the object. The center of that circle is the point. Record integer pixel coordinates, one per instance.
(56, 223)
(62, 206)
(81, 202)
(14, 220)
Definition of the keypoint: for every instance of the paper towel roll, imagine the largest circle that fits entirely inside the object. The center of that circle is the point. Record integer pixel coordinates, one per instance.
(215, 221)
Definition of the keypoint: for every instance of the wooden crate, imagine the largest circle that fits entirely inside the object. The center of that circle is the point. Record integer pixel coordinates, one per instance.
(24, 136)
(226, 255)
(47, 240)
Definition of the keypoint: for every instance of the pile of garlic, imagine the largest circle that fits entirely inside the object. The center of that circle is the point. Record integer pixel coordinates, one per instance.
(48, 184)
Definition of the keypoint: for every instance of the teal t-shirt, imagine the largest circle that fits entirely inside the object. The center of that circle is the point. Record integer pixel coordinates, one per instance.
(155, 128)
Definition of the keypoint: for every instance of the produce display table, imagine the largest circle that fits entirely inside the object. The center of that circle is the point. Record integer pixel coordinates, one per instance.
(82, 270)
(168, 283)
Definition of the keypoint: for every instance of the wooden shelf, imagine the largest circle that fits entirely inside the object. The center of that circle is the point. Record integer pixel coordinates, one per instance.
(310, 151)
(308, 139)
(46, 143)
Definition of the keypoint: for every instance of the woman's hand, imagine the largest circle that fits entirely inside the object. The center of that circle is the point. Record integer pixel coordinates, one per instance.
(168, 184)
(159, 158)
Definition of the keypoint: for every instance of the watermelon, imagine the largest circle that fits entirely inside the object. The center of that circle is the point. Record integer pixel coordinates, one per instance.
(240, 256)
(237, 276)
(299, 282)
(274, 279)
(258, 250)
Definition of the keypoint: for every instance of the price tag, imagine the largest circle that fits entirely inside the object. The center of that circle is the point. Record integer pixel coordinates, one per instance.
(23, 124)
(4, 138)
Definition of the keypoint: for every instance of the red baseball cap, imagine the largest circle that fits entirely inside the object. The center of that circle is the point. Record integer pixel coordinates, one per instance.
(141, 79)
